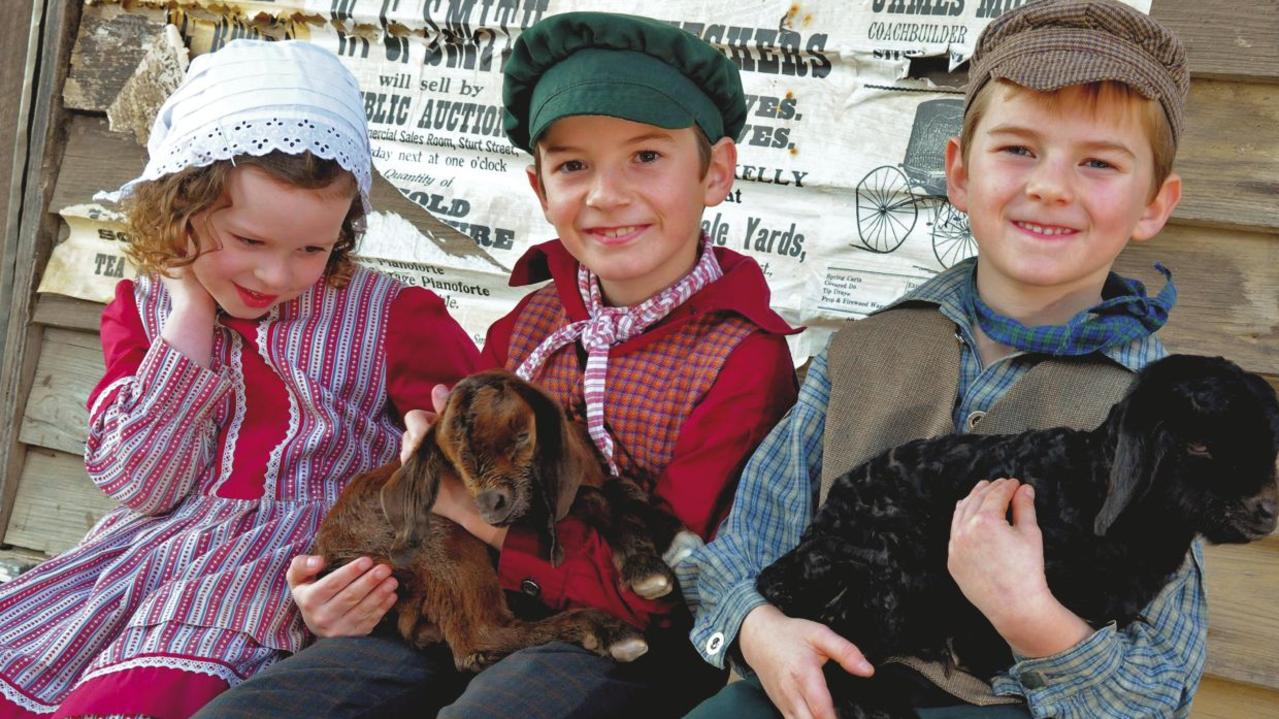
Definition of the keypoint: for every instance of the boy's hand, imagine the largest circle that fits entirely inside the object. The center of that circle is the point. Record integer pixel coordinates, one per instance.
(999, 566)
(349, 602)
(453, 502)
(991, 560)
(788, 655)
(418, 421)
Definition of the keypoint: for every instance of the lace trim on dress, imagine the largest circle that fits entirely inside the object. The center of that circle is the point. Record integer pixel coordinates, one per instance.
(186, 664)
(233, 428)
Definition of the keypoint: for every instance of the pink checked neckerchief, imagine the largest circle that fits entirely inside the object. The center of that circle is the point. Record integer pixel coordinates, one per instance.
(608, 326)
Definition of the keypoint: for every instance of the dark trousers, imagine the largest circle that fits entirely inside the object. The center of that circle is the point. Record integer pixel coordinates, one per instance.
(381, 676)
(746, 700)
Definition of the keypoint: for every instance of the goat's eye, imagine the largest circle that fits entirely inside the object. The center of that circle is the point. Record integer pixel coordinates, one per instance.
(521, 439)
(1198, 449)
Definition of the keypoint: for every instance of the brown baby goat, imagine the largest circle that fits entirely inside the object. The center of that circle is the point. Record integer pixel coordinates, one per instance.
(522, 460)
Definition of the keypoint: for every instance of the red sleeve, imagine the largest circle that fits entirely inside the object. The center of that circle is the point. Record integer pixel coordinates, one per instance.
(425, 346)
(124, 341)
(152, 402)
(757, 381)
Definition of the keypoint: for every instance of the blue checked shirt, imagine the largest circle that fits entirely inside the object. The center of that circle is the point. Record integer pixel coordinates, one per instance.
(1148, 669)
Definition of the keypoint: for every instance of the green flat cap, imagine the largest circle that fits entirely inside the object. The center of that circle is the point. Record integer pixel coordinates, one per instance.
(633, 68)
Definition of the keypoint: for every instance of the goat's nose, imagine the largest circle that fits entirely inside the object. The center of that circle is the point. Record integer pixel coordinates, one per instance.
(1265, 509)
(493, 503)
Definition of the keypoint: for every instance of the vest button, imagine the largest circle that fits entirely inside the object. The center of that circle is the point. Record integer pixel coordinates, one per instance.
(530, 587)
(974, 419)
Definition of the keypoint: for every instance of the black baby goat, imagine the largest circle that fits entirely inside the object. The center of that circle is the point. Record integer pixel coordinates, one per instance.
(1189, 451)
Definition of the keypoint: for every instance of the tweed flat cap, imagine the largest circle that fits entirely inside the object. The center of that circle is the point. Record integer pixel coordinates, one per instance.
(1051, 44)
(634, 68)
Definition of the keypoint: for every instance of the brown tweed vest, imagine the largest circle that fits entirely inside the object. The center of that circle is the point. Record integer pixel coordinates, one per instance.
(651, 389)
(894, 377)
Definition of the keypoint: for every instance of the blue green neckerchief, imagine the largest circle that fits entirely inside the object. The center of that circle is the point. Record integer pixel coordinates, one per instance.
(1126, 313)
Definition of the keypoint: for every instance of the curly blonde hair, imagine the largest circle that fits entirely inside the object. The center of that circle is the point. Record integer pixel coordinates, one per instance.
(160, 210)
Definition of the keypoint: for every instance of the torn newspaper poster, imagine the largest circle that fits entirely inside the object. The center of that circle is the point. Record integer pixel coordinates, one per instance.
(840, 192)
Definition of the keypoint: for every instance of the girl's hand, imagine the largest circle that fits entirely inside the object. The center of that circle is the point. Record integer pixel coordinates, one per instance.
(189, 326)
(999, 567)
(349, 602)
(418, 421)
(186, 292)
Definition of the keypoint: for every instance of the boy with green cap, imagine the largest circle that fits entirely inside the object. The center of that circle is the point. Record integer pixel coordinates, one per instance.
(663, 343)
(1073, 112)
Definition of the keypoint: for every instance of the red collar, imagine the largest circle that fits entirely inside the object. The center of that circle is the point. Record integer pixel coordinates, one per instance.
(742, 289)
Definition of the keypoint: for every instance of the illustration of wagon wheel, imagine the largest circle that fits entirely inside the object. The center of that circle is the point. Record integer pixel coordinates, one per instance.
(886, 209)
(952, 235)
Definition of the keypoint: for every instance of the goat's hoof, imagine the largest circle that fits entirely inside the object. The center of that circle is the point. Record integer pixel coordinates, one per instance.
(477, 661)
(652, 587)
(682, 547)
(646, 575)
(628, 650)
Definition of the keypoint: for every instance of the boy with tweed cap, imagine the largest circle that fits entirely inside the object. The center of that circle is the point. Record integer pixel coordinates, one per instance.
(1074, 109)
(663, 343)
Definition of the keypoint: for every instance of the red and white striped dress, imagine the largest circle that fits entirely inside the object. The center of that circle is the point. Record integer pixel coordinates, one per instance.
(223, 476)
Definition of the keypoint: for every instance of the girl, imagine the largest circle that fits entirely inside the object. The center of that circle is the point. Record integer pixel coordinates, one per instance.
(250, 372)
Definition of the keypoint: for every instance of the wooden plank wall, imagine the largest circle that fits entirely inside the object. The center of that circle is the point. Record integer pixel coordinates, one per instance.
(1223, 245)
(17, 26)
(36, 233)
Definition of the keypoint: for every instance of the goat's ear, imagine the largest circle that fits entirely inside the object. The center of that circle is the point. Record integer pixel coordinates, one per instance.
(577, 464)
(574, 465)
(558, 462)
(564, 460)
(1138, 452)
(408, 495)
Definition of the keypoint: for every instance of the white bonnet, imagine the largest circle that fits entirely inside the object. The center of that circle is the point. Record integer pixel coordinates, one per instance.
(254, 97)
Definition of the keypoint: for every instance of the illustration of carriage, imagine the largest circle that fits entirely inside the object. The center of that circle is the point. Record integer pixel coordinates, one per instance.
(891, 197)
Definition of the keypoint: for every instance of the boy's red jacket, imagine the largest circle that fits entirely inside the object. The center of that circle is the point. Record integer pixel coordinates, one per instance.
(754, 388)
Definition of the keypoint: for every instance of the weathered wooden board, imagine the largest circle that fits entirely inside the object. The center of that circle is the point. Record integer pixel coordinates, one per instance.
(108, 47)
(67, 312)
(1243, 626)
(1229, 156)
(1221, 699)
(70, 366)
(15, 23)
(56, 503)
(1228, 291)
(15, 86)
(1237, 39)
(35, 238)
